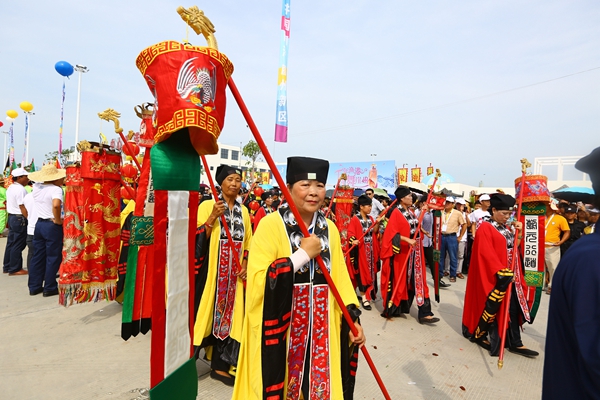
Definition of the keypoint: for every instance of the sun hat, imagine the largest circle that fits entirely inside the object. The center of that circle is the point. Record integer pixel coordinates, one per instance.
(48, 173)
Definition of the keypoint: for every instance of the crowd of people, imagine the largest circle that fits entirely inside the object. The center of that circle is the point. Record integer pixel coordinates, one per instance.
(264, 314)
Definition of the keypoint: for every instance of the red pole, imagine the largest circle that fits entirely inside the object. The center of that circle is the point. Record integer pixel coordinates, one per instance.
(421, 215)
(343, 176)
(284, 189)
(248, 194)
(506, 302)
(369, 230)
(224, 225)
(128, 188)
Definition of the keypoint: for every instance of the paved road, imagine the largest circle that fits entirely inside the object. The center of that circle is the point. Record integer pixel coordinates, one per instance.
(51, 352)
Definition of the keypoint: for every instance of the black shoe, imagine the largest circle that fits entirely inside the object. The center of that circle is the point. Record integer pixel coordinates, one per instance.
(35, 292)
(51, 293)
(431, 320)
(485, 344)
(524, 352)
(444, 284)
(366, 305)
(227, 380)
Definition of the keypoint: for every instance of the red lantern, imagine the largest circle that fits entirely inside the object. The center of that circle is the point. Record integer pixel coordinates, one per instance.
(125, 193)
(254, 205)
(134, 147)
(129, 171)
(258, 192)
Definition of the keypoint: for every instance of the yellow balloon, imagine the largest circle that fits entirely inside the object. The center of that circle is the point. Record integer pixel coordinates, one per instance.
(26, 106)
(12, 113)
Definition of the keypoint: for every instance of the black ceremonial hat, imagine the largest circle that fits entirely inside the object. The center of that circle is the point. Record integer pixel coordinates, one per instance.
(223, 171)
(501, 201)
(306, 168)
(266, 195)
(590, 164)
(364, 200)
(401, 191)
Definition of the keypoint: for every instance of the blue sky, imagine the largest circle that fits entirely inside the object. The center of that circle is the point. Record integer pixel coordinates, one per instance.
(364, 77)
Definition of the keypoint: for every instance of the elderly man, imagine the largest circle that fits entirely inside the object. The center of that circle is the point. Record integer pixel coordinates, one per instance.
(454, 227)
(17, 224)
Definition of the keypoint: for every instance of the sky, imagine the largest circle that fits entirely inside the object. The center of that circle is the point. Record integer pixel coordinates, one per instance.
(470, 87)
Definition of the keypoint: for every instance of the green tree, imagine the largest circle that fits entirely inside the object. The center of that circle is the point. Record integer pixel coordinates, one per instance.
(251, 150)
(64, 156)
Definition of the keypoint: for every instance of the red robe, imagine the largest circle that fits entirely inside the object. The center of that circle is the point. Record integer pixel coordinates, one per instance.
(394, 267)
(488, 257)
(260, 214)
(366, 270)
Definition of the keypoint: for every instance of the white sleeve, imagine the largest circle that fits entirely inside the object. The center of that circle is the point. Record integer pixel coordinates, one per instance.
(299, 258)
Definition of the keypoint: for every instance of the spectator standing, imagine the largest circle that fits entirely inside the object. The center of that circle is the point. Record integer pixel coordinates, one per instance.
(17, 224)
(29, 204)
(462, 239)
(48, 233)
(557, 232)
(575, 227)
(453, 227)
(480, 214)
(3, 214)
(377, 207)
(593, 214)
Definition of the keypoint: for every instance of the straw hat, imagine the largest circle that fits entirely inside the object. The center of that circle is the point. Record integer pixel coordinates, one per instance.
(48, 173)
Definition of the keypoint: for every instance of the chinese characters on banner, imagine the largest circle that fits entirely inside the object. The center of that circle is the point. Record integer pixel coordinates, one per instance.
(531, 243)
(415, 174)
(265, 177)
(281, 120)
(402, 175)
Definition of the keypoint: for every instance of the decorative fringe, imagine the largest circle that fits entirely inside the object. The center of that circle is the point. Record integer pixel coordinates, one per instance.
(87, 292)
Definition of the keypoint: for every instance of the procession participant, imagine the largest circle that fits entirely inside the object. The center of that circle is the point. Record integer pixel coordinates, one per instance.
(557, 232)
(489, 277)
(571, 367)
(575, 228)
(218, 329)
(265, 209)
(295, 341)
(17, 224)
(365, 256)
(48, 233)
(400, 241)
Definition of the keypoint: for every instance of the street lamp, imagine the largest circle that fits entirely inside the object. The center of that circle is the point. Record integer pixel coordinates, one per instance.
(81, 69)
(28, 114)
(373, 157)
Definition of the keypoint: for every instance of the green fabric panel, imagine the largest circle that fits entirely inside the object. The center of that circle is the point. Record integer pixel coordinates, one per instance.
(129, 289)
(182, 384)
(142, 231)
(535, 208)
(536, 303)
(175, 164)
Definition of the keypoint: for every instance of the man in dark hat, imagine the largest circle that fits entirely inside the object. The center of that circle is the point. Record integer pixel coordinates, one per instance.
(364, 257)
(490, 275)
(575, 228)
(402, 256)
(281, 356)
(571, 364)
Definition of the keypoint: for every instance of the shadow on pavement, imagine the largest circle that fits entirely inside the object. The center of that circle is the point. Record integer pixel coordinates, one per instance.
(417, 373)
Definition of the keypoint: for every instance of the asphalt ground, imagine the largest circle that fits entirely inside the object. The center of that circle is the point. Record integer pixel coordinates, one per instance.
(51, 352)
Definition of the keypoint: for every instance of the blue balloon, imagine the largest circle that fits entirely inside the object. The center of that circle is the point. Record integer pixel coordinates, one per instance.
(64, 68)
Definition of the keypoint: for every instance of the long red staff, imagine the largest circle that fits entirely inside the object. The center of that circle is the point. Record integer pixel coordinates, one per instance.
(236, 257)
(515, 254)
(286, 192)
(337, 185)
(249, 191)
(421, 215)
(385, 210)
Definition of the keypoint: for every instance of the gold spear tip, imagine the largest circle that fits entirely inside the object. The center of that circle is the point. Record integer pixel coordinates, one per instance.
(525, 164)
(438, 173)
(344, 176)
(500, 364)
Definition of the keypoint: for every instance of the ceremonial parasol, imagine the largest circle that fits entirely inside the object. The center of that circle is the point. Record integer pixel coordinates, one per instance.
(576, 193)
(417, 187)
(381, 192)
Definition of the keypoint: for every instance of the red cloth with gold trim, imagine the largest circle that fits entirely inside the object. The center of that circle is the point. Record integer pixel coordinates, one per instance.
(188, 84)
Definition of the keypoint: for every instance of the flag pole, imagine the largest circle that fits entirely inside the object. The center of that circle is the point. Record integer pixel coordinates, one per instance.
(513, 263)
(302, 226)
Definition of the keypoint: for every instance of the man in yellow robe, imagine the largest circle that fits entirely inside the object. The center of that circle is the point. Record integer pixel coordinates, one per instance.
(295, 343)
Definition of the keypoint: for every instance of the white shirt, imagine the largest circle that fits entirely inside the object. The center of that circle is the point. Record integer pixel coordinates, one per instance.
(376, 209)
(32, 218)
(14, 198)
(477, 216)
(464, 238)
(43, 196)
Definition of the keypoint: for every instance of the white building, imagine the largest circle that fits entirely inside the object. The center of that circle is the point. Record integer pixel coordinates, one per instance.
(231, 155)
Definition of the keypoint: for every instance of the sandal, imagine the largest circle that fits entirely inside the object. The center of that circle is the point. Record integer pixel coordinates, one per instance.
(366, 305)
